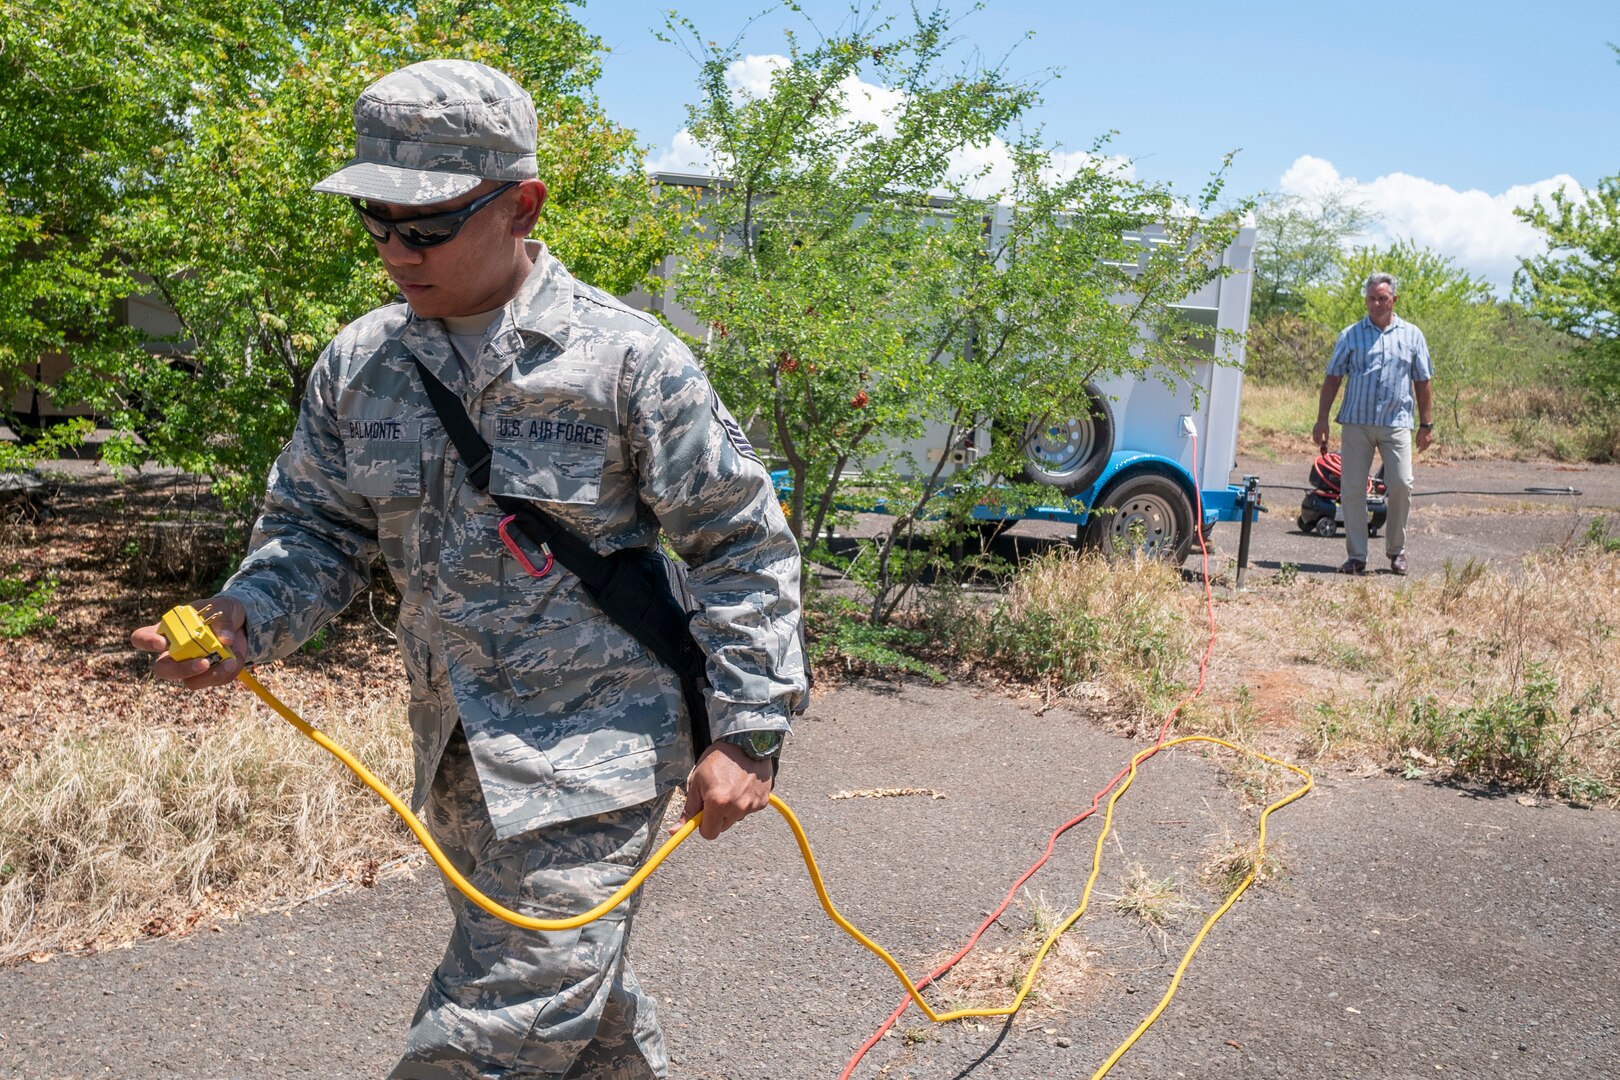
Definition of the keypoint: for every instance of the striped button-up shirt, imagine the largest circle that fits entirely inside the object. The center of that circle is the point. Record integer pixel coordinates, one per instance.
(1379, 368)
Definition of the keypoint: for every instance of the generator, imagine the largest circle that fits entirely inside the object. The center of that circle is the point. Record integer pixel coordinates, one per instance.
(1322, 512)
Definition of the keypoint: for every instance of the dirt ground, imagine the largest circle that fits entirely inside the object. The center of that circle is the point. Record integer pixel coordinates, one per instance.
(1416, 929)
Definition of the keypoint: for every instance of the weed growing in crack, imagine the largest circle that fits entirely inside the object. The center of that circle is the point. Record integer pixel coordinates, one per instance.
(1155, 902)
(1232, 861)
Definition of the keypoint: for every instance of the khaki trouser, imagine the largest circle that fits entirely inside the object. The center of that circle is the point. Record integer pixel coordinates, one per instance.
(511, 1003)
(1394, 446)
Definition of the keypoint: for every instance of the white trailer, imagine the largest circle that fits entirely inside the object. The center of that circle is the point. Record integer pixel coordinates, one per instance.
(1135, 469)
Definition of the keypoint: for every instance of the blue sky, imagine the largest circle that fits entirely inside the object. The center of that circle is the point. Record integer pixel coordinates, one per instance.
(1437, 116)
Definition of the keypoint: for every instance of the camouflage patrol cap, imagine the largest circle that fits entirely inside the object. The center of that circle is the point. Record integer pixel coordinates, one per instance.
(430, 132)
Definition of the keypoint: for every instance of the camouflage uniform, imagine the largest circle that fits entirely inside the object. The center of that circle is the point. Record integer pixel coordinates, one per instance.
(574, 735)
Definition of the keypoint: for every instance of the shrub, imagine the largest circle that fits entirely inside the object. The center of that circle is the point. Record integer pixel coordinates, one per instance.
(843, 634)
(1510, 737)
(1071, 619)
(23, 603)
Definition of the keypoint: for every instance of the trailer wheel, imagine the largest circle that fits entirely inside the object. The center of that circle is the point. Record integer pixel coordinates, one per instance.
(1148, 513)
(1069, 453)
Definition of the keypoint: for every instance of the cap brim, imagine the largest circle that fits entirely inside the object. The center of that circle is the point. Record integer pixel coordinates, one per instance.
(375, 182)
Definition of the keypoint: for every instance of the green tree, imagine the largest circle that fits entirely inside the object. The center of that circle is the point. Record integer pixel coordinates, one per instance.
(208, 199)
(1299, 245)
(88, 93)
(1430, 285)
(855, 291)
(1575, 286)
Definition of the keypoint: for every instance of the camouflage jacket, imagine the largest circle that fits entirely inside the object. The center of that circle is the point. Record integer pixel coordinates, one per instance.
(601, 416)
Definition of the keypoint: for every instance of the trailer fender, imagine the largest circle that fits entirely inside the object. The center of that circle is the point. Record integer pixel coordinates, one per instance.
(1143, 492)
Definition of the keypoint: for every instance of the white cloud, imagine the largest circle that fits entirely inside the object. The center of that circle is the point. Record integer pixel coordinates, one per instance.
(685, 155)
(1475, 228)
(868, 103)
(750, 77)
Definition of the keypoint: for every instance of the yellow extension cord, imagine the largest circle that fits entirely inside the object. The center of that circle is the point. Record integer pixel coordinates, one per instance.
(530, 923)
(185, 623)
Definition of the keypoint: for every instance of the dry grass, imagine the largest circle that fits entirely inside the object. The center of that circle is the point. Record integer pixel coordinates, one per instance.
(129, 807)
(1520, 423)
(1081, 625)
(135, 828)
(990, 975)
(1497, 676)
(1230, 861)
(1154, 902)
(1276, 417)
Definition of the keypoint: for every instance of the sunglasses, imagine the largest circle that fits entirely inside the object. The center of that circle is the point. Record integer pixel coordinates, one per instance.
(426, 230)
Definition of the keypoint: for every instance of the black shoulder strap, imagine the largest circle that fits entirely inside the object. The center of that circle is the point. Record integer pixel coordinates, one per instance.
(458, 425)
(632, 587)
(579, 557)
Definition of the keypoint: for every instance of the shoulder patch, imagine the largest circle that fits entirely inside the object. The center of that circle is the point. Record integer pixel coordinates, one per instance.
(734, 431)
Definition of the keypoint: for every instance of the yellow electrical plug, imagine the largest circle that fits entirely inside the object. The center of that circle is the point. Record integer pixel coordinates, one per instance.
(190, 636)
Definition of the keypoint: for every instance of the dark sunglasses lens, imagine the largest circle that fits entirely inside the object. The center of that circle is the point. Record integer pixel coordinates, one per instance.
(429, 231)
(377, 230)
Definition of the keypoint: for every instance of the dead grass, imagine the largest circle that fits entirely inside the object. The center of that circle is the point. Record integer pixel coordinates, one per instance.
(1231, 861)
(130, 807)
(990, 975)
(1520, 423)
(1497, 676)
(138, 828)
(1155, 903)
(1080, 625)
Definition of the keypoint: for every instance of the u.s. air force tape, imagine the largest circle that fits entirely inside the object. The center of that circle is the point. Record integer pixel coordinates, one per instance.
(510, 429)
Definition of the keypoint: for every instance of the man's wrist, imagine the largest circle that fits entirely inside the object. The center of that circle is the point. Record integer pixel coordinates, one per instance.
(760, 745)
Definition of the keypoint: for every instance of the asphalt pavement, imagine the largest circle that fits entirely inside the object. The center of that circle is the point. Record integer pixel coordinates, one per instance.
(1417, 930)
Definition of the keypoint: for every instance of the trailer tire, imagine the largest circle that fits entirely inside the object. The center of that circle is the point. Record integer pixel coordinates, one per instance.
(1152, 503)
(1070, 453)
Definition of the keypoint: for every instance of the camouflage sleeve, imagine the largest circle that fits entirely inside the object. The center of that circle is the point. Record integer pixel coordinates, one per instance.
(714, 499)
(314, 542)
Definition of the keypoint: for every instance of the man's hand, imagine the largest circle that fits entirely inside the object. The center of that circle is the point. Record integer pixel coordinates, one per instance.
(727, 785)
(1423, 394)
(228, 619)
(1324, 406)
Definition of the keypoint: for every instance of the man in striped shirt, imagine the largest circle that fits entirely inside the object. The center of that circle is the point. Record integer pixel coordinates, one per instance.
(1384, 363)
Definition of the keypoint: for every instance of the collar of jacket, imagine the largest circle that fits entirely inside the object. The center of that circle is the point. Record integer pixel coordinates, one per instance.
(543, 307)
(1394, 321)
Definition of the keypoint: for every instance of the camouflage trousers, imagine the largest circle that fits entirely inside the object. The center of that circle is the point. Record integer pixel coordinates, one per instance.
(512, 1003)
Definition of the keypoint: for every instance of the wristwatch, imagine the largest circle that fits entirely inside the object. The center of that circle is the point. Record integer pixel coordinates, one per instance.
(759, 745)
(1425, 427)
